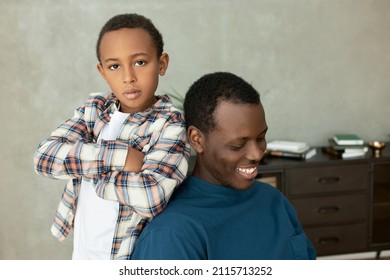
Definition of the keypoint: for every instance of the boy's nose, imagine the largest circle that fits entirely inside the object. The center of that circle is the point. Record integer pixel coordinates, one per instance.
(128, 76)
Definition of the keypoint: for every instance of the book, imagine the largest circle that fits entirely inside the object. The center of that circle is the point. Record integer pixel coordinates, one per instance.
(288, 146)
(356, 150)
(353, 154)
(344, 155)
(296, 155)
(347, 139)
(346, 151)
(347, 148)
(329, 150)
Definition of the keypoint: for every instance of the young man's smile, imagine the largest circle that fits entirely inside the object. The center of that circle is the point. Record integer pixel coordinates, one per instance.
(248, 173)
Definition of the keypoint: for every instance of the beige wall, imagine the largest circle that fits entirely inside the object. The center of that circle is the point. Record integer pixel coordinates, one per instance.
(321, 67)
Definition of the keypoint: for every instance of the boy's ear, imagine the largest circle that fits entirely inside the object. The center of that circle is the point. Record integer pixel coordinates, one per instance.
(196, 139)
(101, 70)
(164, 61)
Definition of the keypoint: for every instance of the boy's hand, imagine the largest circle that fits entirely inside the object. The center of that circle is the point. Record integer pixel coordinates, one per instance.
(134, 160)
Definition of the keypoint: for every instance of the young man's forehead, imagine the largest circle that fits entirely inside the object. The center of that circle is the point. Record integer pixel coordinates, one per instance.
(239, 116)
(233, 109)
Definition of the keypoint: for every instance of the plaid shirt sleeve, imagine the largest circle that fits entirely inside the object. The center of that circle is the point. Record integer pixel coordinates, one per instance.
(70, 151)
(165, 167)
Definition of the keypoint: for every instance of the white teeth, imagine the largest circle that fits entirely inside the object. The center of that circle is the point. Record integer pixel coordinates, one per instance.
(247, 170)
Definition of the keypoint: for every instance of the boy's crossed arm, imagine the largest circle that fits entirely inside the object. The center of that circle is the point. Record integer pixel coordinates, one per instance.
(164, 167)
(115, 166)
(134, 160)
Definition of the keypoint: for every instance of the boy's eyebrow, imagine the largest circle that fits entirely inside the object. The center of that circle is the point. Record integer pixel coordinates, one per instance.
(131, 56)
(110, 59)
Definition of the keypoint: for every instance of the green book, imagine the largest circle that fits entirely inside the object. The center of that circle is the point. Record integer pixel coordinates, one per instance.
(338, 147)
(348, 139)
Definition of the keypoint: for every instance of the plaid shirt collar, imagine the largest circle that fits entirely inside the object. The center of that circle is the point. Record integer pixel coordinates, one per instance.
(163, 103)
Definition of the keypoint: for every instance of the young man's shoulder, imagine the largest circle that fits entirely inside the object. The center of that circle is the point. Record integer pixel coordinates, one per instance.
(264, 185)
(273, 195)
(268, 189)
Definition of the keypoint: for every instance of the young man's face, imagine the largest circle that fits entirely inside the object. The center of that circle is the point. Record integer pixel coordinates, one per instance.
(130, 65)
(233, 150)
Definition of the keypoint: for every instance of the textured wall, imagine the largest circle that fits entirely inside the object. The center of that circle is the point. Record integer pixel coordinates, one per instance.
(321, 67)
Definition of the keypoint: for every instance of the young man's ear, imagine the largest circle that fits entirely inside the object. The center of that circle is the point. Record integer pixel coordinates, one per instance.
(164, 61)
(196, 139)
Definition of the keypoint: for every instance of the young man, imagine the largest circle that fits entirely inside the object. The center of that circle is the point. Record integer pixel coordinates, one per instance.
(221, 212)
(124, 151)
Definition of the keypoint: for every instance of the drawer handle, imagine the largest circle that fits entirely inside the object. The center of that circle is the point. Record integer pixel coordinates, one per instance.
(329, 180)
(328, 210)
(328, 240)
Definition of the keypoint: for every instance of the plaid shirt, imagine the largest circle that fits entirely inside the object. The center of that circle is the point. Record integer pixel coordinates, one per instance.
(72, 152)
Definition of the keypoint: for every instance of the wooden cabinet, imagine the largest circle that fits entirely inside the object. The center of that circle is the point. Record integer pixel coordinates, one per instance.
(327, 178)
(332, 205)
(380, 205)
(343, 205)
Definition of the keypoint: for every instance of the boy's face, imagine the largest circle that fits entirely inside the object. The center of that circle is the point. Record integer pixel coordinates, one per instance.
(130, 65)
(231, 153)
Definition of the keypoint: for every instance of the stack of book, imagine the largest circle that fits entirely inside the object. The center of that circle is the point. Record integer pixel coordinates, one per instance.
(347, 146)
(290, 149)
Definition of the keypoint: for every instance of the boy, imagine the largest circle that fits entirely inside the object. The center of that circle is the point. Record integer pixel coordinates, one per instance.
(125, 152)
(221, 212)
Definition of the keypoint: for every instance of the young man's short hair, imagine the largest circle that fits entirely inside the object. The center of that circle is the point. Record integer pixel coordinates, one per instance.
(204, 95)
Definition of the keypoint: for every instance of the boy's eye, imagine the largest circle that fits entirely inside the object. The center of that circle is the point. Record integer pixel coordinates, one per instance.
(140, 63)
(114, 67)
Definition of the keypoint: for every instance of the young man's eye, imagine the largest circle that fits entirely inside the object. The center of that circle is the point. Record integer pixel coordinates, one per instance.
(260, 139)
(236, 147)
(114, 67)
(139, 63)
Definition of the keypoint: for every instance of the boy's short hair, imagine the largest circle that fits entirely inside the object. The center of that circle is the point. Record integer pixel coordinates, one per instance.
(131, 21)
(205, 94)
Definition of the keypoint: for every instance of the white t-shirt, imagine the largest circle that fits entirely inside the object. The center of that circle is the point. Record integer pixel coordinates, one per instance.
(95, 219)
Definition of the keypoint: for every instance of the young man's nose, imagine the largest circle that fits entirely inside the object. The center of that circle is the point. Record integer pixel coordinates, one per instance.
(255, 152)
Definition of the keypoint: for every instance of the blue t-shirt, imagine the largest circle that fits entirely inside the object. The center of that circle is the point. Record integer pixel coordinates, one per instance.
(208, 221)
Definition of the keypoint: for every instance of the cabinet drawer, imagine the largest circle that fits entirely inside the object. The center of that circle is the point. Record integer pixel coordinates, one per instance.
(331, 209)
(327, 179)
(338, 240)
